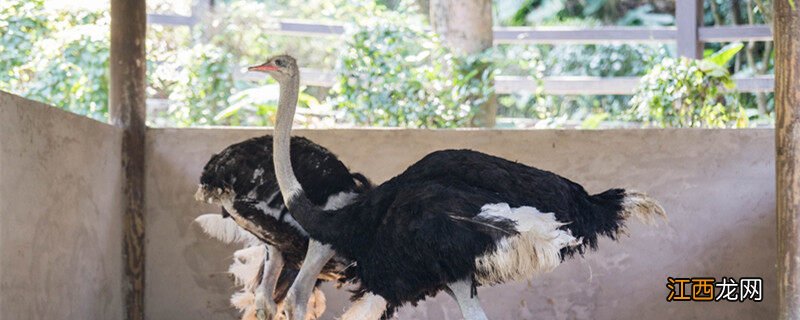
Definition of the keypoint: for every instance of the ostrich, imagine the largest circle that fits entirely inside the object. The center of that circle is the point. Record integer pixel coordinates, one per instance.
(454, 220)
(241, 179)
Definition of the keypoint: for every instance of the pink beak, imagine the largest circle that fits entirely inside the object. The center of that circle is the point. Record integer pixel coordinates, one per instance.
(263, 68)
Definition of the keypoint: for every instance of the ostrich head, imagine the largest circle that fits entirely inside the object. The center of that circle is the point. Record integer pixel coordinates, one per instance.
(281, 67)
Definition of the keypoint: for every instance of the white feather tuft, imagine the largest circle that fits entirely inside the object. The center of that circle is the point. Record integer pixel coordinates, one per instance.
(246, 266)
(223, 229)
(536, 249)
(638, 204)
(370, 306)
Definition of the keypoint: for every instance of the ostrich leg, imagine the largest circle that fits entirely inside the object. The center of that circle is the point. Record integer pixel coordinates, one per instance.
(468, 303)
(265, 304)
(296, 302)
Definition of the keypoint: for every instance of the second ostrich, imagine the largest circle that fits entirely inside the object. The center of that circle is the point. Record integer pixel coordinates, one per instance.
(454, 220)
(241, 179)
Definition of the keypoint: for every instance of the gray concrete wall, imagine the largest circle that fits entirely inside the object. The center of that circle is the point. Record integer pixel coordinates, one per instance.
(716, 185)
(60, 209)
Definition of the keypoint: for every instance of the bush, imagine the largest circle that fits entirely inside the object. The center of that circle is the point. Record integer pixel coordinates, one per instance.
(58, 57)
(686, 93)
(22, 24)
(392, 75)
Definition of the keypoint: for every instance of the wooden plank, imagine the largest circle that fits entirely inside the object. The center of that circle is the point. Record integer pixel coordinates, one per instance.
(552, 85)
(688, 18)
(736, 33)
(299, 28)
(755, 84)
(527, 35)
(787, 158)
(127, 110)
(602, 86)
(568, 85)
(174, 20)
(566, 35)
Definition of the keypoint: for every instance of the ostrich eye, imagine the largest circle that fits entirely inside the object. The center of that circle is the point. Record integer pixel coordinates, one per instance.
(280, 63)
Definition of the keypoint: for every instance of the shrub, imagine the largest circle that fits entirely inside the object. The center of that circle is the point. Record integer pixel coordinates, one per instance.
(61, 60)
(392, 75)
(686, 93)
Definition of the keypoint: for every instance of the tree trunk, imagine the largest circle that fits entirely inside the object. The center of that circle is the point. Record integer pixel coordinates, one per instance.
(424, 7)
(466, 28)
(787, 148)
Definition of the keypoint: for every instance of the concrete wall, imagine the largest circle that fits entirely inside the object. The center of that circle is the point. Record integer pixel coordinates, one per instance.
(60, 209)
(716, 185)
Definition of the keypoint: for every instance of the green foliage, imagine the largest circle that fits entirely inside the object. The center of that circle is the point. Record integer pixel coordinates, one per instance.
(22, 24)
(391, 75)
(205, 84)
(686, 93)
(572, 60)
(725, 55)
(619, 12)
(58, 57)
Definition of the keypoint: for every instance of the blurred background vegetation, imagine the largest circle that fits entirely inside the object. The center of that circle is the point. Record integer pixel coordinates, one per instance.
(390, 70)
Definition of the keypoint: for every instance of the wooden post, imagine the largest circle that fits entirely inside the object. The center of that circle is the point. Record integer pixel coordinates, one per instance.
(466, 27)
(787, 149)
(127, 111)
(689, 19)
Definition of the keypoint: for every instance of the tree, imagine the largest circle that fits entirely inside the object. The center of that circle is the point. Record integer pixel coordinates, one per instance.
(465, 26)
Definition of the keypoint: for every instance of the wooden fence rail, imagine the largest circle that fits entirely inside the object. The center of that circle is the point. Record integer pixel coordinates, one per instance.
(563, 85)
(545, 35)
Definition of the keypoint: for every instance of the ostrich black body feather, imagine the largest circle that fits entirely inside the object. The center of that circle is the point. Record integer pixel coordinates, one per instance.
(245, 172)
(421, 230)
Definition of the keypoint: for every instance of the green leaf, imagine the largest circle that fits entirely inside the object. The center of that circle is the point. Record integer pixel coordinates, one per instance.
(724, 55)
(791, 3)
(594, 121)
(228, 112)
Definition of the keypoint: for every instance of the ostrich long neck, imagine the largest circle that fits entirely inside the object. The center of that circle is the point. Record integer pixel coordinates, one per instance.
(287, 102)
(301, 208)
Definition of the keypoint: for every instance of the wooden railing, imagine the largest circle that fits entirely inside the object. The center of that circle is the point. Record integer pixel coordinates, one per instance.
(568, 85)
(687, 35)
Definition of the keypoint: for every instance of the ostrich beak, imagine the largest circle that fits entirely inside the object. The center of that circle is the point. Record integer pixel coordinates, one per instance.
(266, 67)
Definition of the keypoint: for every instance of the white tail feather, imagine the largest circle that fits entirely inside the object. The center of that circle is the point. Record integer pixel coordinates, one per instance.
(223, 229)
(638, 204)
(536, 249)
(246, 266)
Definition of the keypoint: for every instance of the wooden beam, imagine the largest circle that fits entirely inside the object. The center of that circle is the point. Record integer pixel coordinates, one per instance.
(563, 85)
(568, 85)
(570, 35)
(127, 111)
(736, 33)
(787, 157)
(527, 35)
(688, 18)
(173, 20)
(300, 28)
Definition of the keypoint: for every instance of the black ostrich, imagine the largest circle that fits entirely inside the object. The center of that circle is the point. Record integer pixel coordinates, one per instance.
(241, 179)
(455, 220)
